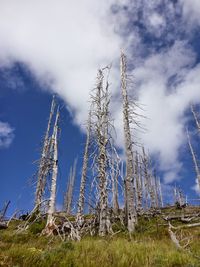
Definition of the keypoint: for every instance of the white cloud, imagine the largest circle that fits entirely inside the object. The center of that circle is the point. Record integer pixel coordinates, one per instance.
(156, 20)
(62, 42)
(191, 11)
(6, 135)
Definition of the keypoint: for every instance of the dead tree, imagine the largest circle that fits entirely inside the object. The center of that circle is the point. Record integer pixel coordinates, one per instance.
(160, 197)
(156, 189)
(130, 209)
(195, 118)
(70, 187)
(102, 143)
(139, 188)
(153, 193)
(145, 165)
(44, 161)
(4, 210)
(115, 177)
(81, 200)
(196, 166)
(54, 151)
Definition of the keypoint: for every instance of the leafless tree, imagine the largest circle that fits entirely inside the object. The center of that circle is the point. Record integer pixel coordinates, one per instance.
(54, 151)
(81, 200)
(196, 166)
(195, 118)
(115, 180)
(44, 161)
(102, 143)
(70, 187)
(139, 187)
(130, 208)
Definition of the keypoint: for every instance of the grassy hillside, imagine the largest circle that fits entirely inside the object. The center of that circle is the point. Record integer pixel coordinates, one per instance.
(149, 246)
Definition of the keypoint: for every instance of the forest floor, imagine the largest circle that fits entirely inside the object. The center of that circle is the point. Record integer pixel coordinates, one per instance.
(150, 246)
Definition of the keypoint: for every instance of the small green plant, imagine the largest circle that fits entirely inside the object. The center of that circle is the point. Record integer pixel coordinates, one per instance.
(37, 227)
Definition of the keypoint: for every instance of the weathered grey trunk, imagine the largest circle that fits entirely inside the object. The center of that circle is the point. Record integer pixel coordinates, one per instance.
(52, 199)
(84, 172)
(152, 191)
(160, 193)
(138, 184)
(175, 193)
(115, 176)
(102, 113)
(196, 166)
(4, 210)
(69, 193)
(131, 214)
(196, 119)
(44, 161)
(156, 190)
(146, 178)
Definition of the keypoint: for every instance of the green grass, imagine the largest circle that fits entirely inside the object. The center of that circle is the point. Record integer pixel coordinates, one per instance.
(150, 246)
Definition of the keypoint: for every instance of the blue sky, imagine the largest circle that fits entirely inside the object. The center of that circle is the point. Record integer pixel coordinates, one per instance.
(40, 56)
(27, 110)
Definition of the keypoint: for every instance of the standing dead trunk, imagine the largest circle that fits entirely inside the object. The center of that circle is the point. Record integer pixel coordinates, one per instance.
(196, 119)
(152, 191)
(115, 176)
(84, 173)
(160, 193)
(69, 193)
(52, 199)
(4, 210)
(196, 166)
(44, 161)
(131, 214)
(138, 184)
(146, 178)
(102, 104)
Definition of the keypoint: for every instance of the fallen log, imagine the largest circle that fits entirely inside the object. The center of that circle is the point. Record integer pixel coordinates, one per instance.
(183, 217)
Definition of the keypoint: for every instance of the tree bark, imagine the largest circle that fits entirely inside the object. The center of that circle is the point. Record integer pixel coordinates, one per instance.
(84, 173)
(52, 199)
(194, 160)
(196, 119)
(69, 193)
(44, 161)
(131, 214)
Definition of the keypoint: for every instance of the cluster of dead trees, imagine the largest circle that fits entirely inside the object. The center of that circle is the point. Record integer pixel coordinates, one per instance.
(111, 188)
(103, 175)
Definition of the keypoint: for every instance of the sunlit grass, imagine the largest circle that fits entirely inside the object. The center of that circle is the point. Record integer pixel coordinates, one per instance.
(149, 246)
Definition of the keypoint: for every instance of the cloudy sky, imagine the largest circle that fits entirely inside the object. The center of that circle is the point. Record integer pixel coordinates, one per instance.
(51, 46)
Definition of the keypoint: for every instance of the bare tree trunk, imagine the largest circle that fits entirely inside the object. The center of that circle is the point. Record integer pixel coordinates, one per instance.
(4, 210)
(69, 193)
(156, 188)
(102, 140)
(115, 176)
(52, 199)
(146, 178)
(152, 191)
(84, 172)
(194, 160)
(138, 184)
(160, 193)
(131, 214)
(196, 119)
(43, 167)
